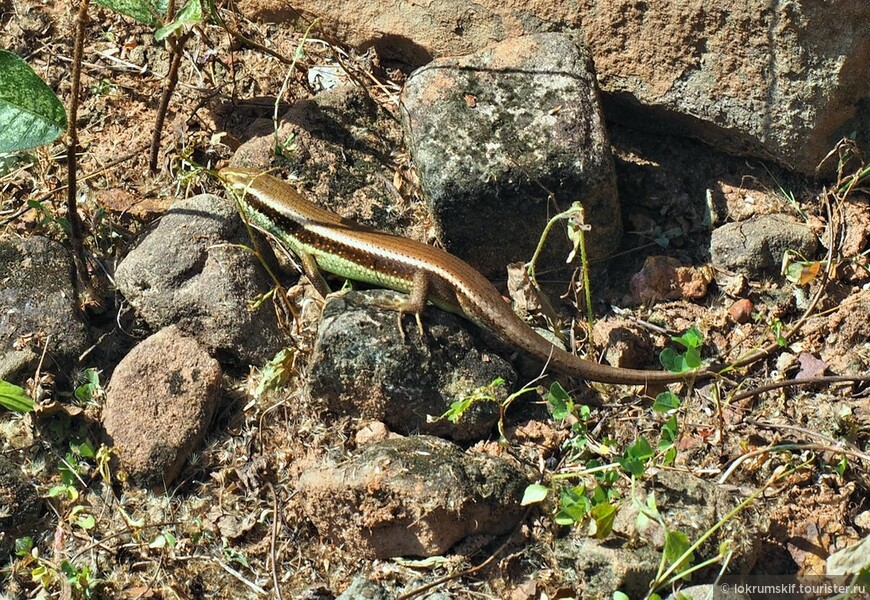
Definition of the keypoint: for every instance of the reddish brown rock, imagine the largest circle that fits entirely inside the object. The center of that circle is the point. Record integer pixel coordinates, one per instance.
(741, 311)
(626, 345)
(664, 278)
(413, 496)
(159, 404)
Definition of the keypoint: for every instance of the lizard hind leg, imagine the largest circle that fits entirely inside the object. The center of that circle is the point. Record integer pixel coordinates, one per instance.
(416, 302)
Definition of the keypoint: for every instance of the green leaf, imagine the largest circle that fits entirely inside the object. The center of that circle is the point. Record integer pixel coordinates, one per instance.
(632, 466)
(666, 401)
(691, 339)
(188, 16)
(561, 403)
(86, 522)
(670, 360)
(91, 388)
(30, 113)
(23, 546)
(617, 595)
(276, 373)
(69, 469)
(237, 557)
(603, 516)
(534, 493)
(776, 327)
(58, 490)
(640, 449)
(642, 521)
(842, 465)
(599, 495)
(575, 506)
(670, 430)
(69, 570)
(14, 398)
(635, 458)
(85, 449)
(692, 358)
(145, 11)
(667, 443)
(457, 409)
(676, 544)
(42, 575)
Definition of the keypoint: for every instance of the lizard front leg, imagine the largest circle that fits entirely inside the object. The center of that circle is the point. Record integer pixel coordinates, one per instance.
(312, 272)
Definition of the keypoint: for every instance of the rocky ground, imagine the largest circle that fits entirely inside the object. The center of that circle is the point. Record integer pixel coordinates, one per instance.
(206, 426)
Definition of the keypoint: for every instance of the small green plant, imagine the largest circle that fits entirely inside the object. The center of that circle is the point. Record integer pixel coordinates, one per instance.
(563, 408)
(276, 373)
(574, 505)
(71, 469)
(23, 546)
(635, 458)
(81, 579)
(286, 148)
(776, 327)
(486, 393)
(678, 556)
(103, 87)
(578, 503)
(153, 13)
(562, 404)
(91, 390)
(46, 218)
(788, 195)
(596, 499)
(164, 539)
(80, 517)
(689, 360)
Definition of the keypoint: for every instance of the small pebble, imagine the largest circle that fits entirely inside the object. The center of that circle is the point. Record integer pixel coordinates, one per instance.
(741, 311)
